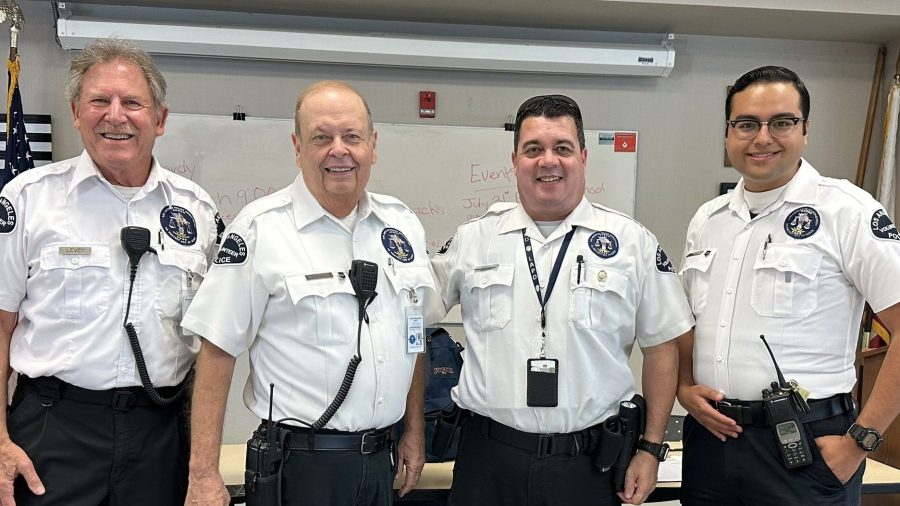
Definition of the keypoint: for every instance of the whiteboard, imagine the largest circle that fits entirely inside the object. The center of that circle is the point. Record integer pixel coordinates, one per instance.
(445, 174)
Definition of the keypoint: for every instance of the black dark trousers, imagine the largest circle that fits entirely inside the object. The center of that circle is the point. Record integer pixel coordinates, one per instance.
(490, 473)
(749, 471)
(89, 454)
(337, 478)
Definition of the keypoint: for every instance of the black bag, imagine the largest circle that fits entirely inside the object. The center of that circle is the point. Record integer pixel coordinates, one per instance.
(443, 362)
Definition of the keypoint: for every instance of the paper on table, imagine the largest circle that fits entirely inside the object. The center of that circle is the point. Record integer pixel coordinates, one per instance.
(670, 470)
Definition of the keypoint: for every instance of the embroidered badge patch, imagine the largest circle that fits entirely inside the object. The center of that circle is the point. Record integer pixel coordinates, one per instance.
(220, 228)
(802, 223)
(445, 247)
(397, 245)
(603, 244)
(179, 224)
(233, 251)
(883, 227)
(663, 264)
(7, 216)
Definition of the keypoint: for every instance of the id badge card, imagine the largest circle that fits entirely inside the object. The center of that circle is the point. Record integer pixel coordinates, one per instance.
(415, 330)
(187, 296)
(543, 382)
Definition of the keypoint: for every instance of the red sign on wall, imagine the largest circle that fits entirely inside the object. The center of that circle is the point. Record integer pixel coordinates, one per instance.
(625, 142)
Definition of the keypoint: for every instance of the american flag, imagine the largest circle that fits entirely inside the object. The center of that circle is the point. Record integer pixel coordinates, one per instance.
(18, 152)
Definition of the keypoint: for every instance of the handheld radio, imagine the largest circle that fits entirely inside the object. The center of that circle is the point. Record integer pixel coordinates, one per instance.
(265, 453)
(779, 404)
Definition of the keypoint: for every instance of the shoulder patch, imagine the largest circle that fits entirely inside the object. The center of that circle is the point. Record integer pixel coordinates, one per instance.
(8, 216)
(233, 251)
(802, 223)
(663, 264)
(397, 245)
(445, 247)
(220, 229)
(882, 226)
(179, 224)
(603, 244)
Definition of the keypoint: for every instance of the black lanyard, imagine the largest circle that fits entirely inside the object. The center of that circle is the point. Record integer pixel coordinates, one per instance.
(532, 268)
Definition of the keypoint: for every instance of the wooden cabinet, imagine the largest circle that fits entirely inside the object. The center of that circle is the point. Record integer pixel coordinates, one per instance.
(868, 365)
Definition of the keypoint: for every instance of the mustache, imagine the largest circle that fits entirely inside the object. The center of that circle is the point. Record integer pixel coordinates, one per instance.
(115, 129)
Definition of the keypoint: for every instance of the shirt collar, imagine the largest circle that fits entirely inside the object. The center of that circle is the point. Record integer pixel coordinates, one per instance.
(85, 169)
(518, 219)
(308, 210)
(801, 189)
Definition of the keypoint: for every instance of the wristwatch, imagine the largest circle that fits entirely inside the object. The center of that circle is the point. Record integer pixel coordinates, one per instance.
(660, 451)
(867, 439)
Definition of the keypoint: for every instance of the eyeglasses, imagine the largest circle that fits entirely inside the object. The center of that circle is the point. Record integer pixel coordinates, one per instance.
(746, 129)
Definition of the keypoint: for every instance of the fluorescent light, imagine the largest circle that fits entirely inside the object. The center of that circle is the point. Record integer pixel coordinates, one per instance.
(391, 50)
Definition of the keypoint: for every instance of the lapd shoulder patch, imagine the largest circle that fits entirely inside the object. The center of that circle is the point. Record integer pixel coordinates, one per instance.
(663, 264)
(603, 244)
(802, 223)
(883, 227)
(220, 228)
(445, 247)
(7, 216)
(179, 224)
(397, 245)
(233, 251)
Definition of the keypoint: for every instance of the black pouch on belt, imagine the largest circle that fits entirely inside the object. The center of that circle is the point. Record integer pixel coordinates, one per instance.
(609, 445)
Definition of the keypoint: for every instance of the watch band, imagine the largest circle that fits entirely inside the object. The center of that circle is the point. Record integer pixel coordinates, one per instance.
(866, 438)
(658, 450)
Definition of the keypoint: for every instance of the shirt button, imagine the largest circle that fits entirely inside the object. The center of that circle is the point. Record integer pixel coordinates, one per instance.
(381, 400)
(381, 358)
(730, 290)
(74, 261)
(723, 324)
(718, 358)
(483, 282)
(543, 285)
(782, 263)
(737, 256)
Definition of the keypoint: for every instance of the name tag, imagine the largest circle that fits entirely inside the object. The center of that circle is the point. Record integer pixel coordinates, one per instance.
(74, 250)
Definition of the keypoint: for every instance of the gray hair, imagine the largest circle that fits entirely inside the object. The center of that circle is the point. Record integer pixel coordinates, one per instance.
(108, 51)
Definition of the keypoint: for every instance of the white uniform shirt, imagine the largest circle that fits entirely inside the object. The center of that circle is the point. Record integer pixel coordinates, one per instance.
(65, 272)
(627, 288)
(279, 289)
(798, 273)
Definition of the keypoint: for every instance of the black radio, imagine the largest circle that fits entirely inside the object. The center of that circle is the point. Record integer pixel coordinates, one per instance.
(781, 404)
(265, 453)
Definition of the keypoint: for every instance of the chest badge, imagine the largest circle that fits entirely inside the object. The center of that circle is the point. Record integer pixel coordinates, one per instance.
(179, 224)
(397, 245)
(802, 223)
(603, 244)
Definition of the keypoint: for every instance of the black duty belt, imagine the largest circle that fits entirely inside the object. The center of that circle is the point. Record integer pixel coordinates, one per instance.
(50, 388)
(542, 445)
(365, 442)
(753, 412)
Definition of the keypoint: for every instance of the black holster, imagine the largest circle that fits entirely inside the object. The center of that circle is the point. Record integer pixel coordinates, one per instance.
(619, 436)
(444, 429)
(265, 459)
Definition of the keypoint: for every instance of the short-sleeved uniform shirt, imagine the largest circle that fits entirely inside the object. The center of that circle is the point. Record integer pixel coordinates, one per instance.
(66, 273)
(279, 288)
(625, 288)
(798, 273)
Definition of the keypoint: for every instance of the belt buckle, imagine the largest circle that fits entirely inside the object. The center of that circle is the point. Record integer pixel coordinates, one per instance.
(123, 400)
(544, 445)
(363, 449)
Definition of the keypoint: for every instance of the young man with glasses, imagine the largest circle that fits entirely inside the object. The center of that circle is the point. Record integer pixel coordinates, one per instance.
(790, 255)
(543, 372)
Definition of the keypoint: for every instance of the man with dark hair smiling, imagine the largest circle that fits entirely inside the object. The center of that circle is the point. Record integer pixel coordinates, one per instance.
(790, 255)
(554, 292)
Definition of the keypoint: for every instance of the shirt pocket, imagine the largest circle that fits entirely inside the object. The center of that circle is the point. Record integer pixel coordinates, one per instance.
(78, 283)
(491, 293)
(179, 270)
(785, 281)
(408, 283)
(695, 274)
(325, 308)
(598, 302)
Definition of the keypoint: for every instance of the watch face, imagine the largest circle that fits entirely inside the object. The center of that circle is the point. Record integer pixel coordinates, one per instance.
(869, 440)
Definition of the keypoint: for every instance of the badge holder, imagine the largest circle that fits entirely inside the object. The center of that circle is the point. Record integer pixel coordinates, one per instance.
(543, 383)
(415, 325)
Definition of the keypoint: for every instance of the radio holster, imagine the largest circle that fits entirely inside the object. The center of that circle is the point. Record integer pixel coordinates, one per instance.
(619, 436)
(265, 459)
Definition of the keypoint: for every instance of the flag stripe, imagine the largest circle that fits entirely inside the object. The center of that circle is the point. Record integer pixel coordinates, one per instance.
(33, 138)
(45, 148)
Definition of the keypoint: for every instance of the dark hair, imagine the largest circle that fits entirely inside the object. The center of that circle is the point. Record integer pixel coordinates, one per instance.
(549, 106)
(770, 74)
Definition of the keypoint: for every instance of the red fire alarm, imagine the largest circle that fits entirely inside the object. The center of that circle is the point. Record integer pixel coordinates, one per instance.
(427, 104)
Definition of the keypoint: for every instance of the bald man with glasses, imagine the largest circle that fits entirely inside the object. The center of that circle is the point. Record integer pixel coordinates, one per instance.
(792, 256)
